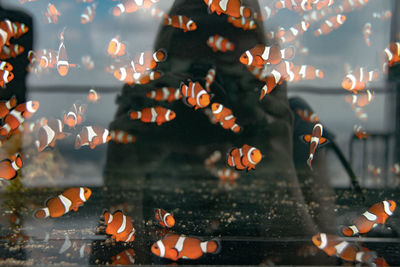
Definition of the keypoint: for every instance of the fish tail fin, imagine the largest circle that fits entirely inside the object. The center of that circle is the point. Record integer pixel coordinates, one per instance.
(289, 52)
(213, 246)
(134, 115)
(347, 231)
(42, 213)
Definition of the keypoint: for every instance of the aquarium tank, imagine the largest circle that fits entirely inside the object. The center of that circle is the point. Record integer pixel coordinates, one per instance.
(200, 132)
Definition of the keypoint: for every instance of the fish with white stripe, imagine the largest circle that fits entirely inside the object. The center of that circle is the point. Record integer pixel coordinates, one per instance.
(88, 14)
(92, 136)
(194, 95)
(119, 226)
(9, 167)
(157, 114)
(246, 157)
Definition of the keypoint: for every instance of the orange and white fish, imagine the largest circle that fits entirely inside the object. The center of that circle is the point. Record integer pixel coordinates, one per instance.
(305, 72)
(164, 218)
(12, 121)
(219, 43)
(294, 32)
(18, 29)
(225, 117)
(314, 139)
(47, 58)
(374, 170)
(317, 15)
(334, 245)
(367, 31)
(11, 51)
(4, 65)
(126, 257)
(7, 105)
(307, 115)
(62, 58)
(330, 24)
(282, 71)
(74, 116)
(396, 168)
(28, 109)
(34, 126)
(119, 226)
(350, 5)
(180, 22)
(70, 199)
(174, 247)
(49, 133)
(93, 96)
(391, 55)
(88, 14)
(358, 79)
(52, 14)
(360, 112)
(243, 23)
(210, 77)
(213, 158)
(88, 62)
(158, 13)
(320, 4)
(296, 5)
(129, 76)
(360, 132)
(276, 33)
(376, 214)
(260, 55)
(9, 167)
(6, 32)
(122, 137)
(246, 157)
(384, 15)
(5, 77)
(130, 6)
(228, 174)
(233, 8)
(92, 136)
(146, 61)
(168, 94)
(116, 48)
(195, 95)
(361, 99)
(155, 114)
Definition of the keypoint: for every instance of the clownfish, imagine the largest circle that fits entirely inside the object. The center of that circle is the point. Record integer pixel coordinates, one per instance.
(360, 132)
(319, 4)
(225, 117)
(376, 214)
(333, 245)
(276, 33)
(246, 157)
(260, 55)
(119, 226)
(395, 169)
(92, 136)
(6, 32)
(33, 127)
(227, 174)
(358, 79)
(243, 23)
(233, 8)
(307, 115)
(122, 137)
(305, 72)
(49, 133)
(116, 48)
(11, 51)
(129, 76)
(316, 15)
(213, 158)
(391, 55)
(314, 139)
(18, 29)
(126, 257)
(7, 105)
(168, 94)
(296, 5)
(52, 14)
(74, 116)
(62, 58)
(282, 71)
(93, 96)
(181, 22)
(146, 61)
(350, 5)
(88, 62)
(4, 65)
(367, 31)
(174, 247)
(374, 170)
(155, 114)
(88, 14)
(330, 24)
(219, 43)
(47, 58)
(28, 108)
(294, 32)
(11, 122)
(210, 77)
(130, 6)
(70, 199)
(361, 99)
(9, 167)
(164, 218)
(158, 13)
(194, 95)
(5, 77)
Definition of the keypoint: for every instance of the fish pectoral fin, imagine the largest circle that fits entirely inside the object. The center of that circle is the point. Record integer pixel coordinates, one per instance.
(173, 254)
(258, 61)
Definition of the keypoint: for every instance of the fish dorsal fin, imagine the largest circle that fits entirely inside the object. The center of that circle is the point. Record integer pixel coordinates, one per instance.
(306, 138)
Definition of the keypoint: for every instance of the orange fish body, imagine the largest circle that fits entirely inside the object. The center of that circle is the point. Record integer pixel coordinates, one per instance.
(11, 51)
(47, 58)
(119, 226)
(28, 109)
(70, 199)
(195, 95)
(307, 115)
(333, 245)
(88, 14)
(219, 43)
(164, 218)
(169, 94)
(314, 139)
(330, 24)
(11, 122)
(5, 77)
(320, 4)
(391, 55)
(175, 247)
(10, 167)
(116, 48)
(49, 133)
(260, 55)
(306, 72)
(130, 6)
(6, 32)
(33, 127)
(7, 106)
(93, 96)
(350, 5)
(243, 23)
(225, 117)
(360, 132)
(126, 257)
(92, 136)
(358, 79)
(228, 174)
(210, 77)
(155, 114)
(181, 22)
(376, 214)
(122, 137)
(74, 116)
(361, 99)
(146, 61)
(232, 8)
(282, 71)
(294, 32)
(246, 157)
(296, 5)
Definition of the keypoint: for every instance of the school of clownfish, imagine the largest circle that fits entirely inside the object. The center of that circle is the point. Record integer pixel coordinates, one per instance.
(271, 64)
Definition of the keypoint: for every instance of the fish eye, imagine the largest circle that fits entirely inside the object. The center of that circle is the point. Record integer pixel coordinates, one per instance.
(156, 247)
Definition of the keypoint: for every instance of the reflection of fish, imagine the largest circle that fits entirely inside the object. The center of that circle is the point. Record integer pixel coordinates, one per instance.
(195, 95)
(74, 116)
(130, 6)
(88, 14)
(175, 247)
(164, 218)
(391, 55)
(213, 158)
(70, 199)
(126, 257)
(360, 132)
(350, 5)
(122, 137)
(307, 115)
(227, 174)
(294, 32)
(233, 8)
(52, 14)
(225, 117)
(116, 47)
(242, 23)
(155, 114)
(374, 170)
(119, 226)
(146, 61)
(62, 58)
(219, 43)
(181, 22)
(362, 99)
(169, 94)
(358, 79)
(333, 245)
(93, 96)
(260, 55)
(210, 77)
(7, 105)
(330, 24)
(9, 167)
(367, 31)
(88, 62)
(305, 72)
(376, 214)
(396, 168)
(246, 157)
(92, 136)
(314, 139)
(296, 5)
(49, 133)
